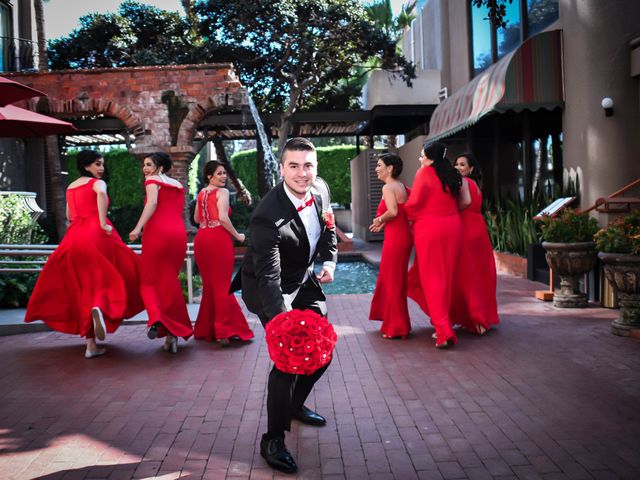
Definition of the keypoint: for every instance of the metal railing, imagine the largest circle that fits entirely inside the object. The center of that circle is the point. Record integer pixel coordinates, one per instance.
(44, 251)
(18, 54)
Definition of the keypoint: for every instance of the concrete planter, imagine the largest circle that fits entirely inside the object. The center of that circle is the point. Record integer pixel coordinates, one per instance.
(623, 272)
(570, 261)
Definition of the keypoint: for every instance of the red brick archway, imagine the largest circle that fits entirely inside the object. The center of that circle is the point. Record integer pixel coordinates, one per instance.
(161, 105)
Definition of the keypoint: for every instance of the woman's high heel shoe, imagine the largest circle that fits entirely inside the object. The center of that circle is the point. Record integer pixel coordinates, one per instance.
(170, 344)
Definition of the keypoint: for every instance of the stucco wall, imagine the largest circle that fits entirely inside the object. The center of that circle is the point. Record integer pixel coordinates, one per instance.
(384, 88)
(597, 64)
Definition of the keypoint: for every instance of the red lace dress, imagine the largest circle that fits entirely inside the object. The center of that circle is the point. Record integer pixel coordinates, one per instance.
(164, 247)
(389, 302)
(474, 296)
(90, 268)
(220, 315)
(437, 235)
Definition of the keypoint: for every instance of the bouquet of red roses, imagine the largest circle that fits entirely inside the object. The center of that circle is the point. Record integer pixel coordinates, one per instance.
(300, 341)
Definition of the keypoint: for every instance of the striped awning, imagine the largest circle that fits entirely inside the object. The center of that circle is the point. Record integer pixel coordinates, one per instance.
(528, 78)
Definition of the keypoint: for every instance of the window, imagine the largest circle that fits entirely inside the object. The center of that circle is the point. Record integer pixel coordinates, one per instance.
(541, 14)
(6, 42)
(509, 37)
(481, 34)
(524, 18)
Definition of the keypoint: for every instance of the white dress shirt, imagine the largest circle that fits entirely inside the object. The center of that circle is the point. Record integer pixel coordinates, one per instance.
(312, 227)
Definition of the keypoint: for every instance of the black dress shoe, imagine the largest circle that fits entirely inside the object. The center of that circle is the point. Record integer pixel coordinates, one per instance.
(277, 456)
(152, 332)
(309, 417)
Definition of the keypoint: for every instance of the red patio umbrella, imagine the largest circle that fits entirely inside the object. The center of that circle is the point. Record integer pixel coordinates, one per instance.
(18, 122)
(11, 92)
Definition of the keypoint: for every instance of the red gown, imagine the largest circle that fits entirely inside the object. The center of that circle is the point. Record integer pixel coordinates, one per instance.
(474, 296)
(437, 235)
(389, 302)
(90, 268)
(220, 315)
(164, 247)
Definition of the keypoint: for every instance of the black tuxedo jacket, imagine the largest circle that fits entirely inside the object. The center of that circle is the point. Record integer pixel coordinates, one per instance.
(278, 255)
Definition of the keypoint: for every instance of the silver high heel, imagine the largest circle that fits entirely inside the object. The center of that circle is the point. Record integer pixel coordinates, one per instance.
(170, 344)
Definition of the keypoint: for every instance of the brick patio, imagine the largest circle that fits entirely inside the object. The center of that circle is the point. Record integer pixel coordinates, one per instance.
(548, 395)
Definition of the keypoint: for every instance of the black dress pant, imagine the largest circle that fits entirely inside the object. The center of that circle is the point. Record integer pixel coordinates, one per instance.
(287, 392)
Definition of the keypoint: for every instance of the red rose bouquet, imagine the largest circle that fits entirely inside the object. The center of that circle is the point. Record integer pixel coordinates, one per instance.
(300, 341)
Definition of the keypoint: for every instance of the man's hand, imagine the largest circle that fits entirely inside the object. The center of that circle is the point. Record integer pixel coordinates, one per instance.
(325, 276)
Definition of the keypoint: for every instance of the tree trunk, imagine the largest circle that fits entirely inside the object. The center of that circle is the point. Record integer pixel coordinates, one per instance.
(243, 194)
(52, 152)
(52, 149)
(43, 58)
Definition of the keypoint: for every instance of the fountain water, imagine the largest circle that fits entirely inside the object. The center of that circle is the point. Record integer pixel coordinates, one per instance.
(271, 164)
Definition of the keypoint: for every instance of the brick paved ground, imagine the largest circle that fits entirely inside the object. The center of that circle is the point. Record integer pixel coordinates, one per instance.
(549, 395)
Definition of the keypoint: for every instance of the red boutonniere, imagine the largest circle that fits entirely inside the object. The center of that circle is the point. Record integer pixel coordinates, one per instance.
(329, 219)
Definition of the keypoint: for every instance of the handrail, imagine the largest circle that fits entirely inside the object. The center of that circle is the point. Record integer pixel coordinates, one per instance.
(623, 190)
(11, 266)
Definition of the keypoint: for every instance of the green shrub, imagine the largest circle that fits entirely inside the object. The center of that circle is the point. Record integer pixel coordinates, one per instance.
(511, 226)
(16, 225)
(16, 288)
(197, 285)
(621, 236)
(569, 227)
(333, 166)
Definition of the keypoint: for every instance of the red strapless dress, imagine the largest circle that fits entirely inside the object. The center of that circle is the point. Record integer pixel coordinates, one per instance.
(220, 315)
(164, 247)
(90, 268)
(474, 296)
(389, 302)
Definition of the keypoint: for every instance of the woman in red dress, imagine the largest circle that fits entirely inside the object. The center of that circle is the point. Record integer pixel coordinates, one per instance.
(474, 300)
(389, 302)
(433, 207)
(164, 247)
(220, 318)
(90, 283)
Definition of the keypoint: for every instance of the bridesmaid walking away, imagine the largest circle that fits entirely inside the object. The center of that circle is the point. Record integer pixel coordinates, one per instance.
(164, 246)
(90, 283)
(389, 302)
(220, 317)
(433, 206)
(474, 303)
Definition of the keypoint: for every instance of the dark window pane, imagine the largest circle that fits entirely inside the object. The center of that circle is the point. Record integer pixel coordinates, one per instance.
(509, 37)
(540, 14)
(481, 36)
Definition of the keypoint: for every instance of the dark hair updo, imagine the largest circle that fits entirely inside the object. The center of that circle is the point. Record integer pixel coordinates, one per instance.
(476, 174)
(449, 177)
(84, 159)
(161, 159)
(210, 168)
(393, 161)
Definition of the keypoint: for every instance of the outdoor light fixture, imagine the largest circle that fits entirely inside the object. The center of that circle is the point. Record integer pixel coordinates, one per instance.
(607, 104)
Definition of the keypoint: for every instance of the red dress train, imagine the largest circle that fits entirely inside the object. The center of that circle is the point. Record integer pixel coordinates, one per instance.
(90, 268)
(437, 232)
(164, 247)
(389, 302)
(220, 315)
(474, 297)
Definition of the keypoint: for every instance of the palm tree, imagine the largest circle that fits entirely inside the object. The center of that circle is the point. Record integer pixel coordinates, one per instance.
(52, 148)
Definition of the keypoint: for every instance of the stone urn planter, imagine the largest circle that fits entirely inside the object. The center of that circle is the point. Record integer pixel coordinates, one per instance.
(623, 272)
(570, 261)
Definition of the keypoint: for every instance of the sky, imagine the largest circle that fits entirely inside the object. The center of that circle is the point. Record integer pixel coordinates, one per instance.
(62, 16)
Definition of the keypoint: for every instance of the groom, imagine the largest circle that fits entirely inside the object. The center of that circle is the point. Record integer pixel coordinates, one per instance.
(288, 230)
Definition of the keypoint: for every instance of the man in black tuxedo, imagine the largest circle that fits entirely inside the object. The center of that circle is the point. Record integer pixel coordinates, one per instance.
(287, 232)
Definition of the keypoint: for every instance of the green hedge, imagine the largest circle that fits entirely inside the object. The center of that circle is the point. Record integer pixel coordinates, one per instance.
(333, 166)
(124, 178)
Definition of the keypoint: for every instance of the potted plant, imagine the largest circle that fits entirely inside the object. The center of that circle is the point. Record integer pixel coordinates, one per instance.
(619, 247)
(570, 251)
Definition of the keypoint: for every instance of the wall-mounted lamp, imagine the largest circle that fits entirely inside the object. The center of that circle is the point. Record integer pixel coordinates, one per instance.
(607, 104)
